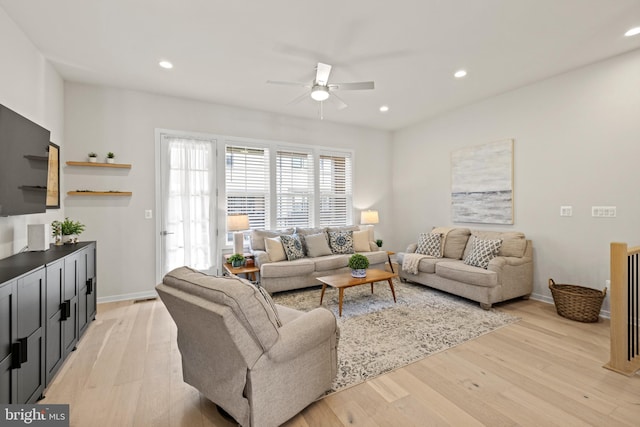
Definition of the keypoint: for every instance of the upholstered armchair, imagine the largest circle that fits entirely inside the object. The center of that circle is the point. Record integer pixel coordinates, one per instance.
(261, 363)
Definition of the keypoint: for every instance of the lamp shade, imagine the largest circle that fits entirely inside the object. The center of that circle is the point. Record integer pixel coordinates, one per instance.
(237, 222)
(369, 217)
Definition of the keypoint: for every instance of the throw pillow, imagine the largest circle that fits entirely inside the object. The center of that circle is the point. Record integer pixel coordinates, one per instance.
(482, 252)
(361, 241)
(341, 242)
(430, 244)
(275, 250)
(292, 247)
(270, 303)
(317, 245)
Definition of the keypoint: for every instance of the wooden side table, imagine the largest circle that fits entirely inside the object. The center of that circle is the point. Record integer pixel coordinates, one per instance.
(249, 272)
(389, 253)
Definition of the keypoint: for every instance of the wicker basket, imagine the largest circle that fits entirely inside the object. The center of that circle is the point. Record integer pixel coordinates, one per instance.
(577, 302)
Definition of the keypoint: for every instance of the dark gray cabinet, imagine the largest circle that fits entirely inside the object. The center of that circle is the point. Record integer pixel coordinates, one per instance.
(47, 300)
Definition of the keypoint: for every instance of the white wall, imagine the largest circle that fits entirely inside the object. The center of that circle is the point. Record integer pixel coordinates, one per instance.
(106, 119)
(576, 143)
(30, 86)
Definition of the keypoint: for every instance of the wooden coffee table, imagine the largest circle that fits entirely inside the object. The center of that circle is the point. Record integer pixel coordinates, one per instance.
(344, 280)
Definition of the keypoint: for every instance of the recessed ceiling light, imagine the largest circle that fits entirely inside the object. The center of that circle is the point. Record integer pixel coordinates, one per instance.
(165, 64)
(459, 74)
(633, 32)
(384, 108)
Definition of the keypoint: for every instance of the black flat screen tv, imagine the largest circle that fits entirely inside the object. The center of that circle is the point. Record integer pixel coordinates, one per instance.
(24, 163)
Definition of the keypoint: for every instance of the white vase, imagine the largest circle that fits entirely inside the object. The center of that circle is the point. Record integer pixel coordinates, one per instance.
(68, 238)
(359, 273)
(110, 160)
(93, 159)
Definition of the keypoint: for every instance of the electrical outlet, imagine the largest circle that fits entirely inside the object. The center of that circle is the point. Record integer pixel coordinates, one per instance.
(148, 214)
(607, 283)
(566, 211)
(603, 211)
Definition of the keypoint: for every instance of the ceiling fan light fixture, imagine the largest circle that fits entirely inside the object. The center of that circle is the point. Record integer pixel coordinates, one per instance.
(460, 74)
(320, 93)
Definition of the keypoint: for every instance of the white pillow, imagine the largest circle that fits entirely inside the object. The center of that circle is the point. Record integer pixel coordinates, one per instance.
(361, 241)
(317, 245)
(275, 250)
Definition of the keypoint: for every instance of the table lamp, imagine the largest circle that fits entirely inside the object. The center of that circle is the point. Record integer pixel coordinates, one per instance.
(369, 218)
(238, 223)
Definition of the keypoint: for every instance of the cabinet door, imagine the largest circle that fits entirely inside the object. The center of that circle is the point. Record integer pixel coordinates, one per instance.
(54, 331)
(82, 290)
(8, 333)
(93, 278)
(86, 283)
(70, 303)
(31, 325)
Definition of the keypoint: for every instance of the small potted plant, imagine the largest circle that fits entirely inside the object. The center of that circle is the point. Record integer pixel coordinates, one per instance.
(236, 260)
(93, 157)
(379, 243)
(111, 157)
(69, 230)
(358, 265)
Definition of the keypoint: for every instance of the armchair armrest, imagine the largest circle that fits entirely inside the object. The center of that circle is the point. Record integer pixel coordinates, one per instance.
(303, 334)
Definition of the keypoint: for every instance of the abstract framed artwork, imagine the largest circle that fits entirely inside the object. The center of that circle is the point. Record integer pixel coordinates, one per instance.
(482, 183)
(53, 178)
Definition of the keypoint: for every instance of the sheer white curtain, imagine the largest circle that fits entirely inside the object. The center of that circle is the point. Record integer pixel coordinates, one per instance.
(190, 201)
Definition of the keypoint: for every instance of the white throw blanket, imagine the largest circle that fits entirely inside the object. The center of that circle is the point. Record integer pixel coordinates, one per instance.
(411, 261)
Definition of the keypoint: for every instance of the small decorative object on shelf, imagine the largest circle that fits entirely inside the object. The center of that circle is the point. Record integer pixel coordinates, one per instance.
(111, 157)
(358, 265)
(93, 157)
(379, 243)
(236, 260)
(68, 229)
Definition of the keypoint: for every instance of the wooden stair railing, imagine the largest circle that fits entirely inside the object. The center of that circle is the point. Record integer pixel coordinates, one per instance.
(625, 331)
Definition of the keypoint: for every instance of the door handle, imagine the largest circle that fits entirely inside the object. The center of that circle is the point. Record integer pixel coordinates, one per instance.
(90, 286)
(19, 352)
(164, 233)
(66, 310)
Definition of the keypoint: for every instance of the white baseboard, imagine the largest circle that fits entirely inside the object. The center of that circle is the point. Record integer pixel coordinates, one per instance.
(126, 297)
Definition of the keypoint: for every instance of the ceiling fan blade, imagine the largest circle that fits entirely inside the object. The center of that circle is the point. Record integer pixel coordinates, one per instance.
(322, 73)
(339, 103)
(352, 86)
(276, 82)
(298, 99)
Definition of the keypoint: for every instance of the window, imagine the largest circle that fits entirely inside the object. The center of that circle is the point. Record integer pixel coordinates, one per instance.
(335, 189)
(247, 184)
(294, 189)
(288, 186)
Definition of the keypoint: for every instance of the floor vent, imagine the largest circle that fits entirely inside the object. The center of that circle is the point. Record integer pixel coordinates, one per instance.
(145, 300)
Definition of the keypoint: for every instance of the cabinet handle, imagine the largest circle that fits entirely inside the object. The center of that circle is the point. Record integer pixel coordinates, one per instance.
(65, 307)
(19, 351)
(89, 286)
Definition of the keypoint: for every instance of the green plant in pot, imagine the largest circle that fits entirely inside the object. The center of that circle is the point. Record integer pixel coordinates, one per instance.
(69, 229)
(236, 260)
(379, 243)
(358, 265)
(110, 157)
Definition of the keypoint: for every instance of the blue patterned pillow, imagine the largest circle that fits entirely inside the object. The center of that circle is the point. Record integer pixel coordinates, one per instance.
(292, 247)
(482, 252)
(341, 242)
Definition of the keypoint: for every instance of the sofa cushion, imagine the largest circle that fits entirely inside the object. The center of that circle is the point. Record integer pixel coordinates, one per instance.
(482, 252)
(292, 247)
(331, 262)
(375, 257)
(256, 237)
(299, 267)
(455, 241)
(304, 232)
(341, 242)
(514, 243)
(430, 244)
(361, 241)
(461, 272)
(317, 245)
(275, 250)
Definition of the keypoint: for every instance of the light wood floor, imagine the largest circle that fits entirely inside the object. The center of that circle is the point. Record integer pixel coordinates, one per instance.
(542, 371)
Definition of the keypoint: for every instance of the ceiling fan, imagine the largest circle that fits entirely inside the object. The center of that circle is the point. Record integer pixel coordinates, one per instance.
(322, 90)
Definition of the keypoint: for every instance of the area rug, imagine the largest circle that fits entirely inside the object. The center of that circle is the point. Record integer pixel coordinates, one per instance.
(378, 336)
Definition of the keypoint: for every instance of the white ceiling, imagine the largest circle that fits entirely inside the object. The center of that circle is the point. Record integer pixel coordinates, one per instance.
(224, 51)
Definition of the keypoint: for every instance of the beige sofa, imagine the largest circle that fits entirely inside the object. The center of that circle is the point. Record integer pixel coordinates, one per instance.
(277, 276)
(260, 362)
(508, 275)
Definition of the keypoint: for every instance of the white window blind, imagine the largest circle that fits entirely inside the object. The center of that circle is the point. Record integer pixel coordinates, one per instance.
(247, 184)
(294, 189)
(336, 203)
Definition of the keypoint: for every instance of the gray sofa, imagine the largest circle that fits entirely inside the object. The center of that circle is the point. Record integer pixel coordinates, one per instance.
(277, 276)
(261, 362)
(508, 275)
